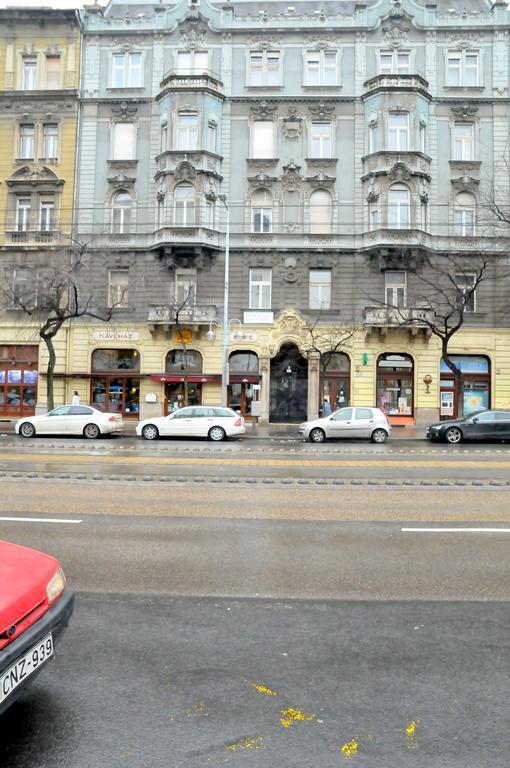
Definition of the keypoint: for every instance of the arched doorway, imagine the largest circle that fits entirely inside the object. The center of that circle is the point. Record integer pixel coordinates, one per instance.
(335, 380)
(243, 374)
(289, 386)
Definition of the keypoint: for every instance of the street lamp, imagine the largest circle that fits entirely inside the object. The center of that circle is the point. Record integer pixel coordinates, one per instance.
(224, 359)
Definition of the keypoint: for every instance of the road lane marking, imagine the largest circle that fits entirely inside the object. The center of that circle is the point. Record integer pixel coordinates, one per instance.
(39, 520)
(455, 530)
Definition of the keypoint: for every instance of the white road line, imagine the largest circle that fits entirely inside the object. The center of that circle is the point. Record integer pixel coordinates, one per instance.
(455, 530)
(39, 520)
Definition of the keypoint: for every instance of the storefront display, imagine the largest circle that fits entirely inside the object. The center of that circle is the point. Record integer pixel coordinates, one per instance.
(476, 395)
(114, 392)
(243, 374)
(335, 380)
(18, 379)
(395, 386)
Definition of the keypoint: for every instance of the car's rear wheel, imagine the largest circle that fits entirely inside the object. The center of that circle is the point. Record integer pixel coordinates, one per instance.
(27, 429)
(150, 432)
(453, 435)
(317, 435)
(379, 436)
(91, 431)
(217, 434)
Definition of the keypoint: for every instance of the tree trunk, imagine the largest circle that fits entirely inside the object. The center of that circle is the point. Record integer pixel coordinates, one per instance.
(50, 370)
(458, 376)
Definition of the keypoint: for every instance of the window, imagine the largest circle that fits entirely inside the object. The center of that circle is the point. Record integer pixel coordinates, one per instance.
(164, 137)
(364, 413)
(185, 205)
(187, 137)
(467, 293)
(121, 213)
(118, 287)
(320, 289)
(394, 62)
(260, 289)
(211, 136)
(321, 68)
(185, 287)
(127, 70)
(321, 210)
(261, 211)
(179, 359)
(373, 144)
(27, 141)
(210, 214)
(23, 208)
(264, 68)
(398, 131)
(192, 61)
(398, 207)
(374, 215)
(47, 216)
(29, 74)
(320, 139)
(465, 214)
(462, 68)
(395, 288)
(344, 415)
(263, 139)
(423, 215)
(422, 137)
(50, 141)
(53, 79)
(463, 141)
(124, 141)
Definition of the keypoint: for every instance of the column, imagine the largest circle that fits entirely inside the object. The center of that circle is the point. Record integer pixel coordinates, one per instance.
(265, 381)
(313, 386)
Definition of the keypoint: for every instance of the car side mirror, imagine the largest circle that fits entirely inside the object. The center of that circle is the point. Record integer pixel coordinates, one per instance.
(475, 420)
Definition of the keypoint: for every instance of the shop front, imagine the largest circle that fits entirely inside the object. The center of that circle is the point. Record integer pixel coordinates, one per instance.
(115, 381)
(476, 394)
(243, 377)
(18, 379)
(183, 376)
(395, 387)
(335, 381)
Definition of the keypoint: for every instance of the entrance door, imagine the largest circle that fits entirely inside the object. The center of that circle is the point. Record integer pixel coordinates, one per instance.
(240, 397)
(341, 424)
(289, 386)
(174, 395)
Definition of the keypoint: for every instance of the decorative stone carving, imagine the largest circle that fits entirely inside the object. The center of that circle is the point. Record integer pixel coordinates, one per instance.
(265, 43)
(465, 182)
(53, 49)
(423, 193)
(461, 41)
(263, 108)
(125, 109)
(321, 42)
(396, 25)
(321, 109)
(161, 190)
(465, 110)
(261, 179)
(291, 180)
(185, 172)
(290, 321)
(292, 127)
(193, 30)
(121, 180)
(321, 180)
(193, 38)
(399, 172)
(34, 175)
(373, 192)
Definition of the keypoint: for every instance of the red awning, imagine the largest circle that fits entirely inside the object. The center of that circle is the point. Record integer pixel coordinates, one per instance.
(204, 378)
(240, 379)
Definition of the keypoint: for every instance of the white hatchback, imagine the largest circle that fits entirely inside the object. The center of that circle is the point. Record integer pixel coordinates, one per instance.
(84, 420)
(210, 421)
(363, 422)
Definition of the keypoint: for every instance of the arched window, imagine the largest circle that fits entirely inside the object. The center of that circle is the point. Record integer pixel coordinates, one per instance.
(179, 360)
(184, 205)
(243, 362)
(399, 207)
(321, 210)
(465, 214)
(121, 212)
(262, 211)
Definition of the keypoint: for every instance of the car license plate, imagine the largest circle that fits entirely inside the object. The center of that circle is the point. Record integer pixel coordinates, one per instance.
(18, 672)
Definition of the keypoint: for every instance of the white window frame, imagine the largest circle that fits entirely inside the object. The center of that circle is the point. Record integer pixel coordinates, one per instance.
(374, 214)
(118, 290)
(27, 154)
(325, 142)
(131, 74)
(262, 220)
(47, 215)
(260, 290)
(185, 288)
(121, 213)
(261, 148)
(464, 221)
(119, 146)
(319, 289)
(422, 137)
(269, 76)
(395, 294)
(398, 133)
(463, 141)
(399, 211)
(464, 277)
(321, 68)
(212, 136)
(187, 132)
(185, 207)
(23, 214)
(192, 67)
(373, 138)
(29, 74)
(49, 139)
(58, 86)
(394, 67)
(458, 68)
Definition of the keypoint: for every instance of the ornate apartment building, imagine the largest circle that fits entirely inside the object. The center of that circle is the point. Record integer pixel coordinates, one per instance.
(337, 149)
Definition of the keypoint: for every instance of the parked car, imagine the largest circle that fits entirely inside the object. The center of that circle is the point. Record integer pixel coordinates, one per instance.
(194, 421)
(35, 608)
(359, 422)
(483, 425)
(86, 420)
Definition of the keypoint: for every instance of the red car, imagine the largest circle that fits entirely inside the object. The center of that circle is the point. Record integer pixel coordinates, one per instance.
(35, 608)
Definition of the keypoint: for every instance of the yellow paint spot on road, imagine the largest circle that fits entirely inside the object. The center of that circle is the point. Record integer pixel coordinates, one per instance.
(251, 742)
(411, 740)
(350, 748)
(290, 716)
(264, 689)
(197, 709)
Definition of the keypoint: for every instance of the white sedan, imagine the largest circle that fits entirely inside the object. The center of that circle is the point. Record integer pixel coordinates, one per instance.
(83, 420)
(213, 422)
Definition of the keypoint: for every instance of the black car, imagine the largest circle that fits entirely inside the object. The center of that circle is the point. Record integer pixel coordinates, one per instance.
(483, 425)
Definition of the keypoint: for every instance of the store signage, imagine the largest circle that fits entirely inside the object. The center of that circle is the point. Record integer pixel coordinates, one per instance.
(467, 364)
(261, 318)
(115, 335)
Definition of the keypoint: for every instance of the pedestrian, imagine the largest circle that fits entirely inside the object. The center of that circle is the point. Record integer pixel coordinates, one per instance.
(327, 407)
(76, 398)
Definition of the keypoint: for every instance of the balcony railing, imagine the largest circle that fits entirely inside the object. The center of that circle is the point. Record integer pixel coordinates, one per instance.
(391, 316)
(186, 79)
(33, 237)
(193, 315)
(396, 82)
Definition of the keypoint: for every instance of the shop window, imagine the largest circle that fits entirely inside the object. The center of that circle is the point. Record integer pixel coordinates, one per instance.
(395, 384)
(321, 212)
(335, 368)
(115, 360)
(179, 360)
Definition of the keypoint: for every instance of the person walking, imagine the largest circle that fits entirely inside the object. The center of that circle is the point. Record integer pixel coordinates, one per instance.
(76, 398)
(327, 407)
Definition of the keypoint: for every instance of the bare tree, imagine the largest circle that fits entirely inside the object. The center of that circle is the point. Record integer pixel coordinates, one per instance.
(326, 340)
(54, 295)
(180, 311)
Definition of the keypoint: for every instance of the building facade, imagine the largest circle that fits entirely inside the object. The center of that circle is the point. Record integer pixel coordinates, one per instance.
(39, 81)
(339, 148)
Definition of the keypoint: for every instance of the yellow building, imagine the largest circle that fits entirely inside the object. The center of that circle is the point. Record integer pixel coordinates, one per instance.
(39, 81)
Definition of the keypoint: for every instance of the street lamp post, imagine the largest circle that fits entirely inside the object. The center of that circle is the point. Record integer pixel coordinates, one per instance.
(225, 338)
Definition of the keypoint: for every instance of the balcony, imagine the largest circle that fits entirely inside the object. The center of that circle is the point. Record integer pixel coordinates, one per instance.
(396, 83)
(191, 80)
(33, 237)
(384, 318)
(165, 315)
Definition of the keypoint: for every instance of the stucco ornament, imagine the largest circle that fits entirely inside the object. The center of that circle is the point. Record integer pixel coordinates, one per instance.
(124, 109)
(265, 43)
(193, 38)
(291, 179)
(161, 190)
(290, 321)
(423, 193)
(292, 126)
(322, 109)
(321, 180)
(395, 26)
(399, 172)
(185, 172)
(322, 42)
(373, 192)
(465, 110)
(263, 108)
